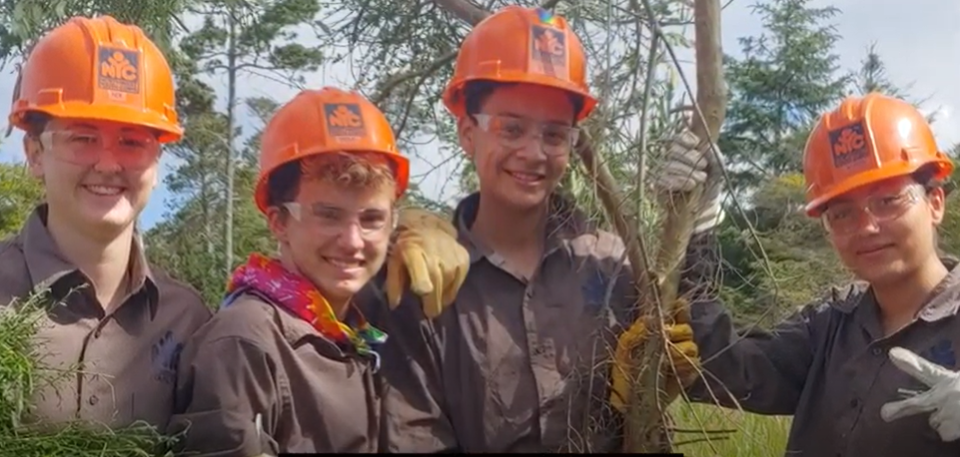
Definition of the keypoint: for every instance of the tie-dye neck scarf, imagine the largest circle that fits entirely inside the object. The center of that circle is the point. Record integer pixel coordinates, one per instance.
(296, 294)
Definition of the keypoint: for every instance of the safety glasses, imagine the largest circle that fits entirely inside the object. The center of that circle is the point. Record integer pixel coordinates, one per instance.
(516, 132)
(844, 218)
(332, 221)
(131, 150)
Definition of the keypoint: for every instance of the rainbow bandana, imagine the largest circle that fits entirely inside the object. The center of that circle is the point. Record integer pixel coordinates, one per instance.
(268, 279)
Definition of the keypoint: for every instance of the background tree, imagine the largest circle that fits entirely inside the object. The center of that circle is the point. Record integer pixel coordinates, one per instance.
(23, 21)
(19, 193)
(787, 76)
(256, 38)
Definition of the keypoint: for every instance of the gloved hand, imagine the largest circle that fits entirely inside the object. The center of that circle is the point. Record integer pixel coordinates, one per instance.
(942, 400)
(427, 257)
(687, 167)
(680, 369)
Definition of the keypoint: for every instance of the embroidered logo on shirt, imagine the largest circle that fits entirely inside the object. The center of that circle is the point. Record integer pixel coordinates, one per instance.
(594, 290)
(165, 356)
(942, 354)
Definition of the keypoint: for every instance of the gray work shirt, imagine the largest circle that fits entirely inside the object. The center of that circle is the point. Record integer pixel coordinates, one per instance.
(828, 366)
(126, 357)
(256, 358)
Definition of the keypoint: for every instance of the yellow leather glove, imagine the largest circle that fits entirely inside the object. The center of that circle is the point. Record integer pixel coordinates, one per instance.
(680, 368)
(427, 257)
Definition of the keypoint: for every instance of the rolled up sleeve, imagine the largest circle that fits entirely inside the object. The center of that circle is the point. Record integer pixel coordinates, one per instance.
(222, 385)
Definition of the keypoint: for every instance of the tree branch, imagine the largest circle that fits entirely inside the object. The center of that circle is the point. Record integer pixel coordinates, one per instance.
(647, 430)
(463, 10)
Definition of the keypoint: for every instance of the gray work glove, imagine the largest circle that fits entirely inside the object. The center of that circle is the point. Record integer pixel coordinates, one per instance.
(686, 167)
(941, 402)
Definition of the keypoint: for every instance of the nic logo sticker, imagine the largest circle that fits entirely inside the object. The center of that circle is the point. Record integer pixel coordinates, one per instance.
(848, 145)
(344, 120)
(548, 50)
(118, 70)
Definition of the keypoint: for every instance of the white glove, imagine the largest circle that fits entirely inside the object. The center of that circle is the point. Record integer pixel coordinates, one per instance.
(687, 167)
(942, 400)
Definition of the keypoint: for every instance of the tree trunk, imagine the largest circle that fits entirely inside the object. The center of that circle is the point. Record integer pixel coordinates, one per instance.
(231, 108)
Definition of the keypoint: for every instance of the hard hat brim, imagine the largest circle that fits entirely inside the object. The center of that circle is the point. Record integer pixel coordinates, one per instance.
(814, 207)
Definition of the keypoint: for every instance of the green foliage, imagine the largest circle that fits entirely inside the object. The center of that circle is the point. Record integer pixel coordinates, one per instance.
(213, 212)
(753, 435)
(23, 21)
(257, 37)
(181, 246)
(19, 193)
(787, 77)
(22, 370)
(786, 263)
(189, 243)
(949, 232)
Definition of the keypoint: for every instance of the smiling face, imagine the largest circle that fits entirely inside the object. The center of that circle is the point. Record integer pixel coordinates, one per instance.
(896, 238)
(520, 142)
(97, 175)
(336, 230)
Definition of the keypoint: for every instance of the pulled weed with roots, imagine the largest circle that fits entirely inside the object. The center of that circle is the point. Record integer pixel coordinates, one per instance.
(22, 371)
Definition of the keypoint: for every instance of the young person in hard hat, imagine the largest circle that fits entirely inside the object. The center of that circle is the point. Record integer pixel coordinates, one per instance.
(95, 99)
(288, 364)
(873, 177)
(521, 353)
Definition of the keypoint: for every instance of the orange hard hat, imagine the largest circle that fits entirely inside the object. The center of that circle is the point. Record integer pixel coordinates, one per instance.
(866, 140)
(98, 69)
(521, 45)
(321, 121)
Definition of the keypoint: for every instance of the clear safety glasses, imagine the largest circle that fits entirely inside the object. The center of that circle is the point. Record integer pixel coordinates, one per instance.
(844, 218)
(131, 150)
(332, 221)
(516, 133)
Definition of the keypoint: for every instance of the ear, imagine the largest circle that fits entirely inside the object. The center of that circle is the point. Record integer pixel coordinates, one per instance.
(466, 128)
(937, 202)
(277, 222)
(34, 153)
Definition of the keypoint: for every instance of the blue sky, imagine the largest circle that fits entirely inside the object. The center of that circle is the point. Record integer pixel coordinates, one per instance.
(918, 40)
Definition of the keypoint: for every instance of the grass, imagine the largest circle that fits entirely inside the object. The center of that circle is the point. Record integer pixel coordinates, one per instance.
(22, 370)
(752, 435)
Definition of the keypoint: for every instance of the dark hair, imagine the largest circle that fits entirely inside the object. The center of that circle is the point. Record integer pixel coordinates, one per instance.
(926, 177)
(283, 184)
(476, 93)
(36, 122)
